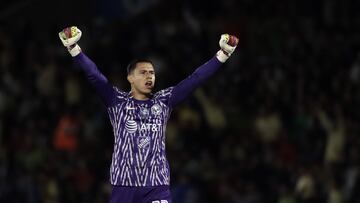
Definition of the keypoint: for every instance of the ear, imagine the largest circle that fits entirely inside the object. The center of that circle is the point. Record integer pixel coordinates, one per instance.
(130, 78)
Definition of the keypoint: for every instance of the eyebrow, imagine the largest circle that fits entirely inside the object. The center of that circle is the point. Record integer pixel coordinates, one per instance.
(144, 70)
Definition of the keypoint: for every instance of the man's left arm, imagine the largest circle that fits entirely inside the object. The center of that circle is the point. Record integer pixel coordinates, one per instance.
(227, 44)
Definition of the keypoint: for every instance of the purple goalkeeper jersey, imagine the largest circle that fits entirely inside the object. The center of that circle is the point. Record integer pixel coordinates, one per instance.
(139, 157)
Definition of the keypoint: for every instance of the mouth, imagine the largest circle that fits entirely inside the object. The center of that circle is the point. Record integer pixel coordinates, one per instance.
(149, 84)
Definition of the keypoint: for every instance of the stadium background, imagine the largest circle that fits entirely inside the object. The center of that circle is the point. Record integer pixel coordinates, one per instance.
(278, 123)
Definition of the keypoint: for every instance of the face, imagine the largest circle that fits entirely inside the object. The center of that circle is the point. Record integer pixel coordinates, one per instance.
(142, 78)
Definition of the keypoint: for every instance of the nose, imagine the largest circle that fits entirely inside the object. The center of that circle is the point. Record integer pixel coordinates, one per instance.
(148, 75)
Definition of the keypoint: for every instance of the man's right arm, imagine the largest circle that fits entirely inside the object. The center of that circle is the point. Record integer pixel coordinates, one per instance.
(70, 37)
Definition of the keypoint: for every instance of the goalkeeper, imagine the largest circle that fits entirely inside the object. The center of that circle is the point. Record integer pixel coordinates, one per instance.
(139, 171)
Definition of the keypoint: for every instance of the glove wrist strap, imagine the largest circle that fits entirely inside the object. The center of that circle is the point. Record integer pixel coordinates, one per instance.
(221, 56)
(74, 51)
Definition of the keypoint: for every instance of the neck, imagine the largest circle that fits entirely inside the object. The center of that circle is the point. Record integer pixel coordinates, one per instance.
(139, 96)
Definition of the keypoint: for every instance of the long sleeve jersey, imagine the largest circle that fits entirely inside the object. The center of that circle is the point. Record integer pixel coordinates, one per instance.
(139, 157)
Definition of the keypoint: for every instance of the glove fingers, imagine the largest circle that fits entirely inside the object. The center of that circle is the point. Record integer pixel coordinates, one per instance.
(75, 36)
(227, 48)
(224, 39)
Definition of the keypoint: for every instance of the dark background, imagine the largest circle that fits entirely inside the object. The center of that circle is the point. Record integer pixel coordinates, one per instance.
(278, 123)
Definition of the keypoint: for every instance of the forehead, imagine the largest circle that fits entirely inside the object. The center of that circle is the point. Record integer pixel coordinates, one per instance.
(144, 66)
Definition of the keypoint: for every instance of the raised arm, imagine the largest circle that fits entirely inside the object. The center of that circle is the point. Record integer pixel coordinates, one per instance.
(227, 44)
(70, 37)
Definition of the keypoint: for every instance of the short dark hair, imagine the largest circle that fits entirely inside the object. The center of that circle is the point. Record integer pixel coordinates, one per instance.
(132, 65)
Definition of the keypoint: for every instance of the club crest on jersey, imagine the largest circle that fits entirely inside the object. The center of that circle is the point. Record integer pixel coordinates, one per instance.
(156, 109)
(144, 112)
(131, 126)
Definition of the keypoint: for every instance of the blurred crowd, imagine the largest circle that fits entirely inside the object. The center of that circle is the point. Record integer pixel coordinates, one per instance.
(278, 123)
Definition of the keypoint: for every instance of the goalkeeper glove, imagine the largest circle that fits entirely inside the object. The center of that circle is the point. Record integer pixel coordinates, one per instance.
(228, 45)
(69, 37)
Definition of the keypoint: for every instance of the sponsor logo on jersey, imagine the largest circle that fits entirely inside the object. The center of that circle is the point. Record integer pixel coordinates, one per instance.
(129, 108)
(150, 127)
(143, 142)
(131, 126)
